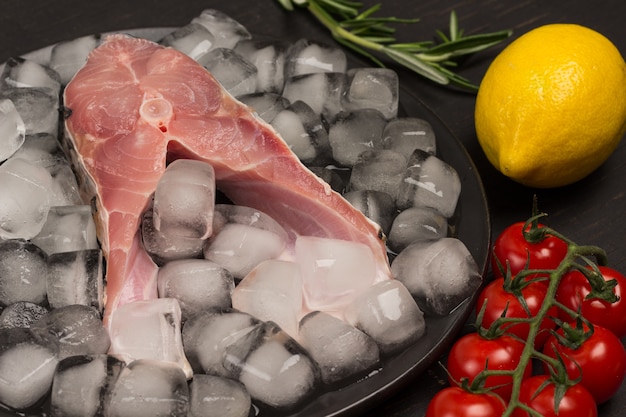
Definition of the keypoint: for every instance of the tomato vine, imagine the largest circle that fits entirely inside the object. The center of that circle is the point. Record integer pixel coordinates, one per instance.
(568, 328)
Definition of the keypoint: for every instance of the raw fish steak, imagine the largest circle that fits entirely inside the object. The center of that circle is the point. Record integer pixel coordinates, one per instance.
(135, 106)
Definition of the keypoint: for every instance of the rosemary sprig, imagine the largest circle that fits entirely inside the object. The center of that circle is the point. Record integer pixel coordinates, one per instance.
(373, 37)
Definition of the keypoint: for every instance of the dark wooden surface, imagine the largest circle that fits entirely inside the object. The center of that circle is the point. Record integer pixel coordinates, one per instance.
(591, 211)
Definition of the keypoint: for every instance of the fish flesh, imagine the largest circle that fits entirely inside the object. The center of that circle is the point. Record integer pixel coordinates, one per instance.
(134, 107)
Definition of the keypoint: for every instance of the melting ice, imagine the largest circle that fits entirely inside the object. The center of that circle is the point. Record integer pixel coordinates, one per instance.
(355, 132)
(149, 388)
(12, 129)
(378, 206)
(341, 350)
(24, 198)
(405, 135)
(23, 269)
(27, 364)
(214, 396)
(76, 329)
(272, 291)
(440, 274)
(304, 132)
(149, 330)
(378, 170)
(269, 59)
(81, 383)
(184, 199)
(387, 312)
(372, 88)
(243, 237)
(333, 271)
(76, 277)
(197, 284)
(429, 182)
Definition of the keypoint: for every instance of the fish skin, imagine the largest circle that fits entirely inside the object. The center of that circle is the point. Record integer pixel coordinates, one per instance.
(135, 106)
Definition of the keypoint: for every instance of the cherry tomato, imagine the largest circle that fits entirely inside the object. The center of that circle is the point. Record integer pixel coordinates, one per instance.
(498, 299)
(456, 402)
(573, 290)
(472, 353)
(577, 401)
(511, 246)
(601, 359)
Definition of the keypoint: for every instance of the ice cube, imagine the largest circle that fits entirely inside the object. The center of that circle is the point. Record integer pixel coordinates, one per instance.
(24, 199)
(27, 365)
(416, 224)
(226, 30)
(269, 59)
(197, 284)
(278, 372)
(378, 170)
(38, 108)
(236, 74)
(429, 182)
(41, 149)
(331, 176)
(77, 329)
(388, 314)
(303, 130)
(308, 57)
(67, 229)
(406, 134)
(265, 105)
(217, 341)
(12, 129)
(64, 189)
(76, 278)
(193, 40)
(242, 238)
(214, 396)
(355, 132)
(68, 56)
(149, 388)
(22, 272)
(149, 329)
(21, 314)
(333, 271)
(440, 274)
(184, 199)
(272, 292)
(340, 350)
(80, 385)
(321, 91)
(21, 72)
(375, 205)
(163, 247)
(372, 88)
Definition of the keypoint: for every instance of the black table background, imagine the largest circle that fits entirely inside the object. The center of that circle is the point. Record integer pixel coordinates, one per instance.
(590, 212)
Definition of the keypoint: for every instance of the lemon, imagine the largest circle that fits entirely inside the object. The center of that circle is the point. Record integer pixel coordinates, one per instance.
(551, 107)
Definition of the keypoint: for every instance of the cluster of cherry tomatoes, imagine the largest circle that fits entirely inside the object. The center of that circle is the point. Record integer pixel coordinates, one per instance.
(587, 346)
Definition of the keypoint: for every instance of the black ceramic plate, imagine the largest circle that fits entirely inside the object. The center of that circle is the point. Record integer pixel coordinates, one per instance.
(471, 225)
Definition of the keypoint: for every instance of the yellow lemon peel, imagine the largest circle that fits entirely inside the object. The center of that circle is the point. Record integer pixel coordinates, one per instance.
(551, 107)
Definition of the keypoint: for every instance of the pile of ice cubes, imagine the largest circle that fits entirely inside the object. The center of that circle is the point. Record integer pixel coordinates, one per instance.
(236, 326)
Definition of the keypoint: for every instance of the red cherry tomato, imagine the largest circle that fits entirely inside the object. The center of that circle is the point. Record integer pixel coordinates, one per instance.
(498, 299)
(455, 401)
(573, 290)
(600, 359)
(577, 401)
(472, 353)
(512, 246)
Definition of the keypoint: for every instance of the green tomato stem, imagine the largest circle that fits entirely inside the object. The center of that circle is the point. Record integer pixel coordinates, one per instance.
(574, 252)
